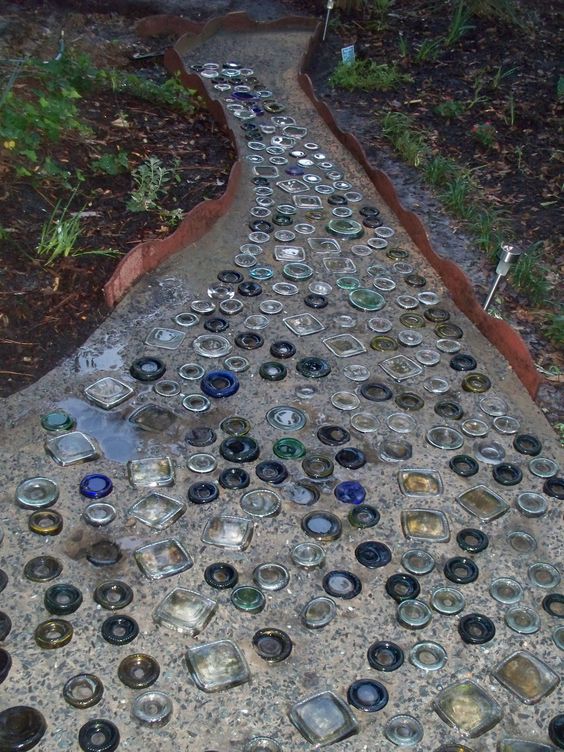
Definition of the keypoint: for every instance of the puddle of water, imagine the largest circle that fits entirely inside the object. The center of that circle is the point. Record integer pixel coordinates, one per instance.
(92, 360)
(117, 438)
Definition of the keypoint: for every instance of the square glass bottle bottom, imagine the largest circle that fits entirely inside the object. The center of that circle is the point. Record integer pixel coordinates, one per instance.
(185, 611)
(216, 666)
(323, 719)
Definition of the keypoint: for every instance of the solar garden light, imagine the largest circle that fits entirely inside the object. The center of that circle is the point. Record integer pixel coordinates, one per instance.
(509, 256)
(330, 6)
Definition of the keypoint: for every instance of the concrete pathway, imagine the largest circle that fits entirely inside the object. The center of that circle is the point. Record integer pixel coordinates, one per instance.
(398, 441)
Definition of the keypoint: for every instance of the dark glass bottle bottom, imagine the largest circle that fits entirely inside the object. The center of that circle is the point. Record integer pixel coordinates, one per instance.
(476, 629)
(21, 728)
(98, 735)
(119, 629)
(385, 656)
(138, 671)
(367, 695)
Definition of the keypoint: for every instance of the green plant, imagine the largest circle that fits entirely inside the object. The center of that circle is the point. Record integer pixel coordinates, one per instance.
(172, 217)
(32, 117)
(394, 124)
(428, 50)
(366, 75)
(85, 76)
(4, 232)
(408, 142)
(509, 115)
(501, 10)
(555, 332)
(379, 10)
(439, 170)
(457, 196)
(477, 96)
(500, 75)
(152, 181)
(450, 109)
(529, 275)
(403, 46)
(484, 134)
(60, 234)
(490, 229)
(382, 6)
(458, 24)
(111, 164)
(519, 150)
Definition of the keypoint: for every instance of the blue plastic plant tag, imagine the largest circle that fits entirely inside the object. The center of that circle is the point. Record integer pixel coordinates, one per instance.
(348, 54)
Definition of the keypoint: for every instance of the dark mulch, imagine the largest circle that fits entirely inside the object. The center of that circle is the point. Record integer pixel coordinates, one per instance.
(522, 170)
(46, 311)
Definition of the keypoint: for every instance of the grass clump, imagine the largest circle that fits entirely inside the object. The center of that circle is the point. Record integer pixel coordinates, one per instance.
(457, 187)
(554, 329)
(61, 234)
(529, 275)
(500, 10)
(439, 170)
(366, 75)
(408, 142)
(428, 50)
(459, 23)
(489, 228)
(457, 196)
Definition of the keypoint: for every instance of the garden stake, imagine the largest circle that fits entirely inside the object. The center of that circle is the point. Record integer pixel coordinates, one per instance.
(330, 6)
(509, 255)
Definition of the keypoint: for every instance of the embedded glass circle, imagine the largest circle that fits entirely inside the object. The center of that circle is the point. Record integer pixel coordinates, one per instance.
(308, 555)
(417, 561)
(271, 576)
(272, 645)
(261, 503)
(342, 584)
(476, 629)
(447, 600)
(522, 619)
(363, 516)
(385, 656)
(249, 599)
(37, 493)
(413, 614)
(83, 691)
(367, 695)
(429, 656)
(403, 731)
(322, 526)
(543, 575)
(318, 612)
(152, 708)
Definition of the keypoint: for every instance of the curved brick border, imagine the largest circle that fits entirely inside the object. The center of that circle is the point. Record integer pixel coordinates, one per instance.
(147, 256)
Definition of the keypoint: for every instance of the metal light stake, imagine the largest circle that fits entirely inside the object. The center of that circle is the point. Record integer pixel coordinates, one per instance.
(330, 6)
(509, 255)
